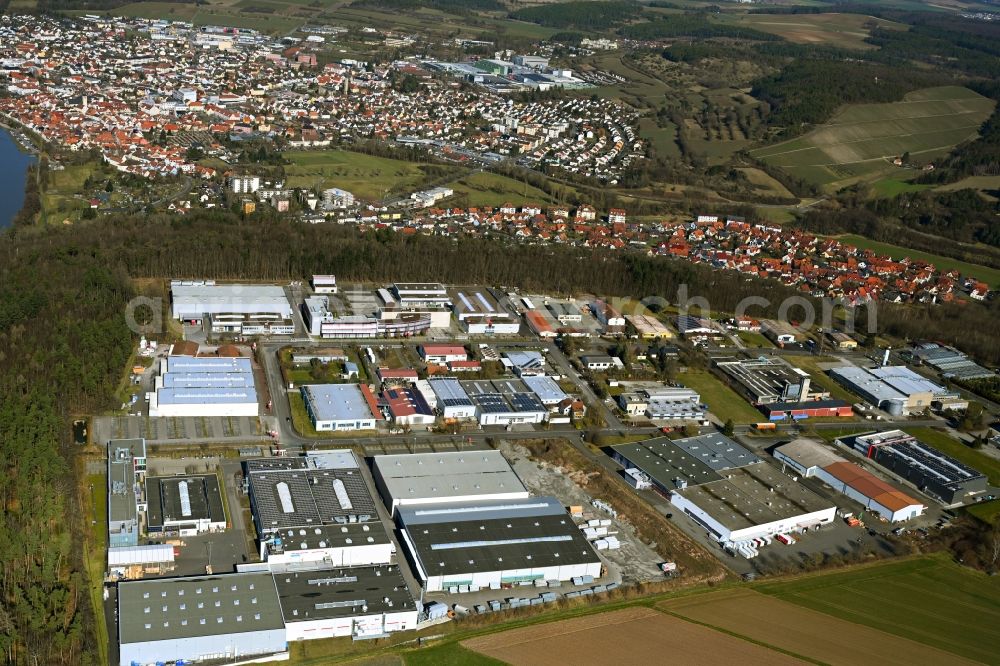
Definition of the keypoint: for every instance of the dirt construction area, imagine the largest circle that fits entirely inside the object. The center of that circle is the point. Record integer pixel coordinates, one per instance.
(630, 636)
(635, 561)
(772, 622)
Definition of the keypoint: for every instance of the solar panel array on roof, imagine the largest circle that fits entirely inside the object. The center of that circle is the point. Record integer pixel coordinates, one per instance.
(490, 403)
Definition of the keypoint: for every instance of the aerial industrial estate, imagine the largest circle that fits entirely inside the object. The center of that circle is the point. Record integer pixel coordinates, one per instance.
(469, 331)
(344, 535)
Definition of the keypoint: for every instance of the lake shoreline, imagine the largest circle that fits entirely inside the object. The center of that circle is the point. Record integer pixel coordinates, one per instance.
(16, 161)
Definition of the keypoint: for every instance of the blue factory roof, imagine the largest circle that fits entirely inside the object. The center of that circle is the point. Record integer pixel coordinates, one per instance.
(205, 396)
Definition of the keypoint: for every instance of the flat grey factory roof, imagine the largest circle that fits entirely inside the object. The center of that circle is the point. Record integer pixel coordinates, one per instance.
(754, 495)
(307, 498)
(332, 536)
(765, 377)
(450, 474)
(545, 388)
(216, 295)
(716, 450)
(864, 381)
(337, 402)
(135, 446)
(173, 608)
(331, 593)
(412, 516)
(450, 548)
(419, 286)
(905, 380)
(663, 462)
(449, 392)
(166, 497)
(336, 459)
(121, 499)
(808, 453)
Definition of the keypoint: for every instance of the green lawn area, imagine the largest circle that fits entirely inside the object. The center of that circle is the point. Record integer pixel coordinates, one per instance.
(988, 512)
(860, 141)
(663, 139)
(846, 31)
(929, 600)
(300, 417)
(492, 190)
(756, 340)
(94, 555)
(722, 401)
(890, 187)
(984, 273)
(365, 176)
(448, 654)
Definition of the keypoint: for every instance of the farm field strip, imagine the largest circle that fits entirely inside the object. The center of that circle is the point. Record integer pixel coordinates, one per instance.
(853, 143)
(811, 633)
(929, 600)
(641, 635)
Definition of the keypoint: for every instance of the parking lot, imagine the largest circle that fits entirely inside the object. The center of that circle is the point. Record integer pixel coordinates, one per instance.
(178, 430)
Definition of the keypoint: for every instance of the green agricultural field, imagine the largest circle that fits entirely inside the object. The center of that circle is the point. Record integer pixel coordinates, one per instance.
(366, 176)
(988, 275)
(840, 30)
(929, 600)
(722, 401)
(861, 141)
(890, 187)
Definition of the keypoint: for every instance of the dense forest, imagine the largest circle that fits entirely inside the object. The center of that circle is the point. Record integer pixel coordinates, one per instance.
(962, 215)
(596, 15)
(863, 221)
(809, 91)
(450, 6)
(692, 25)
(63, 343)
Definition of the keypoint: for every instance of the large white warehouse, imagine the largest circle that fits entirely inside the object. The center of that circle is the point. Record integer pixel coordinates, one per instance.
(810, 458)
(227, 616)
(193, 301)
(751, 502)
(486, 544)
(454, 477)
(195, 386)
(341, 407)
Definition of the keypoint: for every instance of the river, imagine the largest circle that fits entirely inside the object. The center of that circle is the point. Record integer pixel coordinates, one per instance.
(13, 173)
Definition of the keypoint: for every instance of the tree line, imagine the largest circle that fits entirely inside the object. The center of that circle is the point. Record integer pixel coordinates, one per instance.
(596, 15)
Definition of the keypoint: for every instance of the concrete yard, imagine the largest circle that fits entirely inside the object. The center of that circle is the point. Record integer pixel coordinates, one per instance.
(634, 561)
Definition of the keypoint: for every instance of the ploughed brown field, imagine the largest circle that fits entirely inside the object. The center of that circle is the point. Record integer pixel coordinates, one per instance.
(764, 619)
(630, 636)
